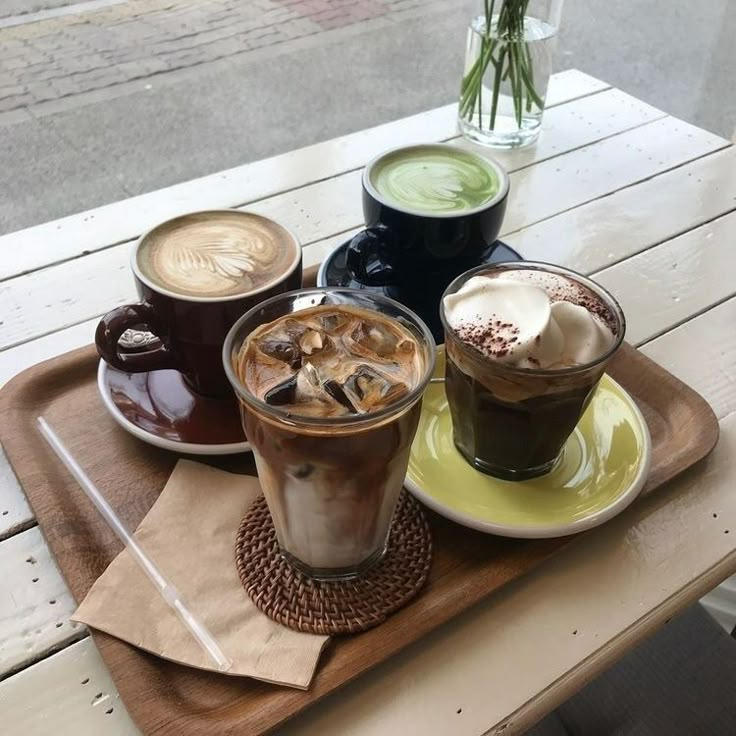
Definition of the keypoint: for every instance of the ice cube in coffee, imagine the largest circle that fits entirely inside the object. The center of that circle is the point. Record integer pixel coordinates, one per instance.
(330, 387)
(526, 344)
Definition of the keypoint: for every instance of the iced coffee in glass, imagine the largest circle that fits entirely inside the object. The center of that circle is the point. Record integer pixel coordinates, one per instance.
(330, 383)
(526, 344)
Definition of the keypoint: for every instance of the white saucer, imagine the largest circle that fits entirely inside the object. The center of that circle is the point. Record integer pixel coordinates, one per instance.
(160, 409)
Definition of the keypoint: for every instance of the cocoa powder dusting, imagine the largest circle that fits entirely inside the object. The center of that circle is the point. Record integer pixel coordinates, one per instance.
(493, 338)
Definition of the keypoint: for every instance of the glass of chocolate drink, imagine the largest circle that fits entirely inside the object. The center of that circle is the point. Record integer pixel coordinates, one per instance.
(330, 383)
(526, 344)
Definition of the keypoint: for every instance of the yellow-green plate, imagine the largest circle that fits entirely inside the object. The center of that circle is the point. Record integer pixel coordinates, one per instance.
(603, 468)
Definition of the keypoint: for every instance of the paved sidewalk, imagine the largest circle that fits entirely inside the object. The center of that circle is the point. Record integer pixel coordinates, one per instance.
(138, 39)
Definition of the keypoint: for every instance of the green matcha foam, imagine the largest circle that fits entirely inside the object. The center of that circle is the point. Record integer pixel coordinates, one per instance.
(435, 180)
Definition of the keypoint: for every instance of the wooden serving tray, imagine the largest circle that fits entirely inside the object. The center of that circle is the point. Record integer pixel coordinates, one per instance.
(166, 698)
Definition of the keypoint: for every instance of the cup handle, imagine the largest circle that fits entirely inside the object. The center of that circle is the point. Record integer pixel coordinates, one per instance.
(130, 358)
(371, 257)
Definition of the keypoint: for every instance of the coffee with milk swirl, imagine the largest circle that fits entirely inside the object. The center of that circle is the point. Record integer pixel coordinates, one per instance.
(217, 254)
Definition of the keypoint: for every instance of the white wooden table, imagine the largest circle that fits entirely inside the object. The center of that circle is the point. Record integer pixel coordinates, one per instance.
(614, 188)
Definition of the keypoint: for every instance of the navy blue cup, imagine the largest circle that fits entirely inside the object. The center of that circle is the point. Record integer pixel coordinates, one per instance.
(419, 254)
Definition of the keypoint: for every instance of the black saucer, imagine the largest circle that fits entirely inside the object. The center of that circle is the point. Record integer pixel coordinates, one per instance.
(334, 272)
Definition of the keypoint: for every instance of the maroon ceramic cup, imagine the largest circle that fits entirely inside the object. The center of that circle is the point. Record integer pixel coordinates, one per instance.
(190, 326)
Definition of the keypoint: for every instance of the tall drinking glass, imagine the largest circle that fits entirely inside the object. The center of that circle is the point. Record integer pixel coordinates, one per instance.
(331, 482)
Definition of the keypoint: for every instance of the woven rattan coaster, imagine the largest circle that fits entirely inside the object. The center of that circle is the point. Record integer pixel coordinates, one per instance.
(344, 607)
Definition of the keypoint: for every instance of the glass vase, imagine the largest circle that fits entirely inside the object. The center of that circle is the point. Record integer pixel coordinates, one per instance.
(508, 61)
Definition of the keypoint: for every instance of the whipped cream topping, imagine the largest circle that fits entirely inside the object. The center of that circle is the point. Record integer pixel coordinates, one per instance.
(530, 319)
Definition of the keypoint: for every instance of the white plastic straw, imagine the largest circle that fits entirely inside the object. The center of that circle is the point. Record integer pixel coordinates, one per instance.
(168, 592)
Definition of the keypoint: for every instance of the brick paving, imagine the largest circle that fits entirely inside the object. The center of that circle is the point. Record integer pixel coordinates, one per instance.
(71, 55)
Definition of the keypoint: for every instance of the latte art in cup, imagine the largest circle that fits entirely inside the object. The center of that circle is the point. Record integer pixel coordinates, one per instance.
(202, 256)
(435, 179)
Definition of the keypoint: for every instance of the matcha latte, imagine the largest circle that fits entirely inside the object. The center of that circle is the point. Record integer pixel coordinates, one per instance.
(435, 180)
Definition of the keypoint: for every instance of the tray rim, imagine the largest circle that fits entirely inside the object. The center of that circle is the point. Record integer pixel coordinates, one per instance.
(692, 450)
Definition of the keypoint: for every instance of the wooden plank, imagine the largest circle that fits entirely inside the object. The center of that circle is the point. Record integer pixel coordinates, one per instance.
(633, 219)
(76, 290)
(565, 182)
(69, 693)
(317, 252)
(668, 284)
(29, 353)
(702, 353)
(571, 84)
(305, 254)
(574, 125)
(58, 240)
(15, 513)
(36, 604)
(62, 294)
(721, 604)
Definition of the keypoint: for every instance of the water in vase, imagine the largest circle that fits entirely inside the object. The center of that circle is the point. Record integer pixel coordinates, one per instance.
(505, 83)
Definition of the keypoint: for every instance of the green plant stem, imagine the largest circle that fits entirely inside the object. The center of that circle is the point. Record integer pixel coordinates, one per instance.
(496, 87)
(530, 74)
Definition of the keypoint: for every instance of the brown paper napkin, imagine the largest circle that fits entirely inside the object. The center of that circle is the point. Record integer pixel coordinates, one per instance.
(190, 534)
